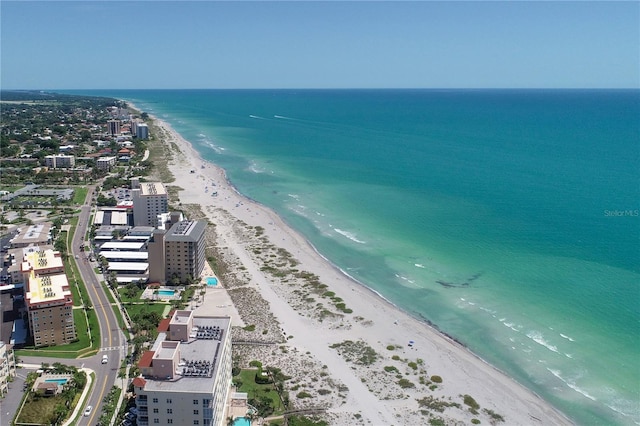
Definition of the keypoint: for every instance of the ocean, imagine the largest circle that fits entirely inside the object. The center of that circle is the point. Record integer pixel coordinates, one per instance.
(507, 218)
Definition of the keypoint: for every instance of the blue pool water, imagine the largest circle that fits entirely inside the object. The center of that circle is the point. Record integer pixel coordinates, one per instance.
(58, 381)
(166, 292)
(212, 281)
(241, 421)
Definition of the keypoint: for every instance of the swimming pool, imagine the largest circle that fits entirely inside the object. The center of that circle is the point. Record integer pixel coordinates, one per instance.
(241, 421)
(58, 381)
(212, 281)
(166, 292)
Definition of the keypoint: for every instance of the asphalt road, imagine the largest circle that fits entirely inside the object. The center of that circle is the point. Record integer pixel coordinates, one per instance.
(112, 339)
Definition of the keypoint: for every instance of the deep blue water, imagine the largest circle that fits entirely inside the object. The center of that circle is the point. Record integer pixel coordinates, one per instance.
(507, 218)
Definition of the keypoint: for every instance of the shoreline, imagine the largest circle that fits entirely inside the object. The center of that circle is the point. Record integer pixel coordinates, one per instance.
(522, 405)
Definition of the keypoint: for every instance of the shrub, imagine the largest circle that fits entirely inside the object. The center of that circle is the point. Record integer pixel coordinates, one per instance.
(436, 379)
(468, 400)
(390, 368)
(395, 358)
(262, 380)
(303, 394)
(494, 415)
(413, 365)
(324, 391)
(255, 363)
(475, 421)
(250, 327)
(404, 384)
(391, 347)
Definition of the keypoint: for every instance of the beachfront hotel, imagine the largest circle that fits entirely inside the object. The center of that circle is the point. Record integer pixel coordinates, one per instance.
(186, 376)
(48, 299)
(149, 200)
(178, 253)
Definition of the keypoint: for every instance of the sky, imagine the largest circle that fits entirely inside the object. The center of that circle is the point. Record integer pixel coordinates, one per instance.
(337, 44)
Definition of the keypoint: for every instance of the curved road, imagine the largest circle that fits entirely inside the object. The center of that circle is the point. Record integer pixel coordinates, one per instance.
(112, 339)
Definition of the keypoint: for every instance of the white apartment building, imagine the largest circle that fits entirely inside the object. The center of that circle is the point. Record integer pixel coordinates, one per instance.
(60, 161)
(105, 163)
(149, 200)
(186, 377)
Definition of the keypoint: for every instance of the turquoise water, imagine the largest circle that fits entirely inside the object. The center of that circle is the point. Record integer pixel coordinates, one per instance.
(166, 292)
(509, 219)
(241, 421)
(58, 381)
(212, 281)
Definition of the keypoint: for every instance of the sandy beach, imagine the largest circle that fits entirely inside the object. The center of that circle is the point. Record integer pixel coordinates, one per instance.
(347, 350)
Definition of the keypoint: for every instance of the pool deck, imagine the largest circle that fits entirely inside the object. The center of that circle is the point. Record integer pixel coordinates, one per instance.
(217, 301)
(149, 294)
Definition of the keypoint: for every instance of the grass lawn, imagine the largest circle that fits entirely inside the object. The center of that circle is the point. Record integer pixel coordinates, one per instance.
(124, 295)
(134, 310)
(257, 391)
(38, 411)
(80, 194)
(10, 188)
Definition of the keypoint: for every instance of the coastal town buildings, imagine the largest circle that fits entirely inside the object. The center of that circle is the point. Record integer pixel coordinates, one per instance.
(48, 299)
(186, 376)
(149, 200)
(60, 161)
(7, 367)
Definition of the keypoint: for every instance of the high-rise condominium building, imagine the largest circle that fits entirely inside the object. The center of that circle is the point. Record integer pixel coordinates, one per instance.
(113, 127)
(185, 250)
(149, 200)
(186, 377)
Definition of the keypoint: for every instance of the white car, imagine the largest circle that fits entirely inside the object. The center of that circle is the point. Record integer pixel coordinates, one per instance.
(88, 410)
(105, 359)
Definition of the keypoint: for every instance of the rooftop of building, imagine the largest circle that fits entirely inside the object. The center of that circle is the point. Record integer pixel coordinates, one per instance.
(152, 188)
(48, 288)
(186, 230)
(41, 260)
(128, 266)
(124, 254)
(37, 232)
(122, 246)
(200, 356)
